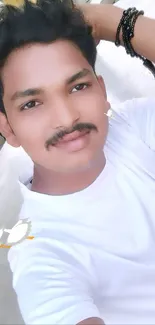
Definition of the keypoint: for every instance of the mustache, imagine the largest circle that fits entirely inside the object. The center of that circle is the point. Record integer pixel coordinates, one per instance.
(52, 141)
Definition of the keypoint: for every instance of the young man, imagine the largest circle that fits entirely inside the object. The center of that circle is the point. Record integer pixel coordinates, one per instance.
(91, 201)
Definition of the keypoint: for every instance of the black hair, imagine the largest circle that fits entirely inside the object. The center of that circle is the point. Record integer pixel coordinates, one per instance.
(43, 22)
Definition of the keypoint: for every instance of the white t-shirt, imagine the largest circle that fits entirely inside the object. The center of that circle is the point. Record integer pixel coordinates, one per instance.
(93, 254)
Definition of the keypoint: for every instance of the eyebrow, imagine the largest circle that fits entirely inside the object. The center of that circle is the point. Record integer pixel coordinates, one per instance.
(26, 93)
(38, 91)
(78, 75)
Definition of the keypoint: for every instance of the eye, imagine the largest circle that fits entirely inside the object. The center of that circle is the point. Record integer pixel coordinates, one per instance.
(29, 105)
(81, 86)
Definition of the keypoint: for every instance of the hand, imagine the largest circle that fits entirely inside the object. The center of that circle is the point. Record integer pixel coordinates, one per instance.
(104, 19)
(90, 14)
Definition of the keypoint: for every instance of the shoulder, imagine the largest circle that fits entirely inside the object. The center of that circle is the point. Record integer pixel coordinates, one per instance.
(134, 107)
(136, 116)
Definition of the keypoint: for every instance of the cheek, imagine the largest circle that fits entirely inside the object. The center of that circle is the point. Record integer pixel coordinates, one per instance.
(93, 109)
(29, 131)
(99, 107)
(92, 104)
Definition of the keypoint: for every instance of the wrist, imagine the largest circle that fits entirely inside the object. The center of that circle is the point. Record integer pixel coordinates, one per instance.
(108, 18)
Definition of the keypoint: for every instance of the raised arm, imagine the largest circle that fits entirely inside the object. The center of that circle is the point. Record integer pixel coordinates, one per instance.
(105, 20)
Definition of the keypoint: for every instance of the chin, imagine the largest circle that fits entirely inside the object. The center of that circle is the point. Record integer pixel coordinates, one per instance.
(80, 164)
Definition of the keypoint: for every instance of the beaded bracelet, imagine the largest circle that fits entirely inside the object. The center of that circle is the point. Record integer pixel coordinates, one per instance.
(127, 24)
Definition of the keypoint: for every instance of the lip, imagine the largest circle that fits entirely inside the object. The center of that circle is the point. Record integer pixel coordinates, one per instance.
(72, 136)
(74, 141)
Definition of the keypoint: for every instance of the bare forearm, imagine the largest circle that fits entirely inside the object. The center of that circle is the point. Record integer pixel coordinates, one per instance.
(144, 40)
(108, 17)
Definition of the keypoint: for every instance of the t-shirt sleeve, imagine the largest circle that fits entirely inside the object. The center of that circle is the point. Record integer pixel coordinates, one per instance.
(140, 115)
(49, 291)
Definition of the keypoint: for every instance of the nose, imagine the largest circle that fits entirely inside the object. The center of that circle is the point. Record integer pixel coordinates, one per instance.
(65, 114)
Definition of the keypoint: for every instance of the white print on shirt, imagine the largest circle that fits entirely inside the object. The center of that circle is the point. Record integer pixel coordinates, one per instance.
(17, 234)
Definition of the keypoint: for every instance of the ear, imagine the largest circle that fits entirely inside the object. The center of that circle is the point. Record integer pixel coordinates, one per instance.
(7, 132)
(102, 85)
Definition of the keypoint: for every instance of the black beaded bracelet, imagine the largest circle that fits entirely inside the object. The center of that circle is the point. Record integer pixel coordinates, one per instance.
(127, 24)
(128, 31)
(127, 14)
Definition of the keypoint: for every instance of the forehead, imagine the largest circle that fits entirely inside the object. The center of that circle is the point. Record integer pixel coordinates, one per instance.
(41, 65)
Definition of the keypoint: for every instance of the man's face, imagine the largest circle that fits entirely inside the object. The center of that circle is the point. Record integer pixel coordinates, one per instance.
(49, 92)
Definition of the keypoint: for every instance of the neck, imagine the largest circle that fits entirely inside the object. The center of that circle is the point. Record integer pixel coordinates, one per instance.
(52, 183)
